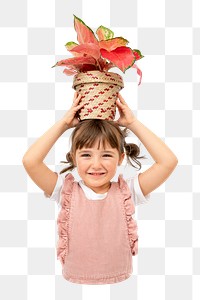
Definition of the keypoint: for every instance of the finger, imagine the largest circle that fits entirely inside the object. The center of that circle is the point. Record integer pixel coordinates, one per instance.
(77, 107)
(121, 98)
(77, 99)
(81, 105)
(119, 104)
(79, 96)
(120, 110)
(76, 95)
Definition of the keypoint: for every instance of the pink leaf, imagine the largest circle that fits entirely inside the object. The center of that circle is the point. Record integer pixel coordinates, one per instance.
(84, 33)
(137, 54)
(89, 49)
(69, 46)
(121, 57)
(79, 68)
(139, 72)
(73, 61)
(70, 71)
(112, 44)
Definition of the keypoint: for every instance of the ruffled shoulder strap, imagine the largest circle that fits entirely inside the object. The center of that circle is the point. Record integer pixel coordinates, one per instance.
(129, 208)
(68, 184)
(63, 218)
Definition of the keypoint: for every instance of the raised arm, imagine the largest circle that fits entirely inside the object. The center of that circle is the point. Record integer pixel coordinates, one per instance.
(165, 159)
(34, 156)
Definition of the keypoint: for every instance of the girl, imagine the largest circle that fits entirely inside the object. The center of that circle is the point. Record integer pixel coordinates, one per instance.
(97, 231)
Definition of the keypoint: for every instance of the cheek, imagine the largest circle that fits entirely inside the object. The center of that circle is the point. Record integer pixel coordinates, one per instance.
(112, 164)
(82, 164)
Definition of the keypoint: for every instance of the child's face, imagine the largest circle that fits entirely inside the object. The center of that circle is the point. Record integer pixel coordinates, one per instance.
(97, 167)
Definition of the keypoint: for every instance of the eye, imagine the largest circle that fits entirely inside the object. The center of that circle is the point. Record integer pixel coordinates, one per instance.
(107, 155)
(85, 155)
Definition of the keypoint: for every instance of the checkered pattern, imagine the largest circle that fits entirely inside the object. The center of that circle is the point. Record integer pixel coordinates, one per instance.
(33, 96)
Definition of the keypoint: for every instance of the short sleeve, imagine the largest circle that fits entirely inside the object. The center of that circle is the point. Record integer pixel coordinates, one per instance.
(136, 191)
(55, 196)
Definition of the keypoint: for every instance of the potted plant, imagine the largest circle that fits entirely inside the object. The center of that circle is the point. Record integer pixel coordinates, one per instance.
(92, 58)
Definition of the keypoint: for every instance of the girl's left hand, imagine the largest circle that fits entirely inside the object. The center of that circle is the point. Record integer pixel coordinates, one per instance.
(126, 115)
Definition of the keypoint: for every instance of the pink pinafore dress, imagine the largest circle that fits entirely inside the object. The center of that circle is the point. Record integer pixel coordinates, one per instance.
(97, 238)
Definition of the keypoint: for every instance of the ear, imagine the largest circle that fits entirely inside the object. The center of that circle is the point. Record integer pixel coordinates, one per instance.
(121, 159)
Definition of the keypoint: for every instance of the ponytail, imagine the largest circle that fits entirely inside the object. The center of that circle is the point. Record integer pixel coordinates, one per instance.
(132, 153)
(69, 161)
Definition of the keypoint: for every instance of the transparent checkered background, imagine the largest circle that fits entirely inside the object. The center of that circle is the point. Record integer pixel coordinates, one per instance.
(33, 96)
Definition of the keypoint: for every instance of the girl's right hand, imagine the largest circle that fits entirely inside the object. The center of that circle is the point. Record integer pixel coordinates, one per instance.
(69, 118)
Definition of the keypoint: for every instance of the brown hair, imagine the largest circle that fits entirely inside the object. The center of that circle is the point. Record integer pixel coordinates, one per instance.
(87, 132)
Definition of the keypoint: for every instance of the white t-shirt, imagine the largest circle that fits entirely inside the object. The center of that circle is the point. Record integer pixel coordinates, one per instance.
(133, 184)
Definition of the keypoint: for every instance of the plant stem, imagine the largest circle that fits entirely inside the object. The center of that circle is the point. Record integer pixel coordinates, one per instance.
(99, 66)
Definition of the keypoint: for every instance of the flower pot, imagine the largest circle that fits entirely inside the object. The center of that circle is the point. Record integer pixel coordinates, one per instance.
(99, 92)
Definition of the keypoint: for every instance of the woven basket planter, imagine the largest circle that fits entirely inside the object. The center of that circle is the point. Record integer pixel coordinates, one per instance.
(99, 92)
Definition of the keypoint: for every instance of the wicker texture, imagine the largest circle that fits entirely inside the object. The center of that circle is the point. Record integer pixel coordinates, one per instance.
(99, 92)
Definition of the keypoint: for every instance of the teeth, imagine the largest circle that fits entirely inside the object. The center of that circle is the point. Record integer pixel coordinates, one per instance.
(96, 173)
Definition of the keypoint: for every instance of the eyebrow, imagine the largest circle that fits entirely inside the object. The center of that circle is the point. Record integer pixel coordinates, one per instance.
(88, 150)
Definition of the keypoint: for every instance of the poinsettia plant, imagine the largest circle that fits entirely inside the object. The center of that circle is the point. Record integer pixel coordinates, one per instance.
(98, 53)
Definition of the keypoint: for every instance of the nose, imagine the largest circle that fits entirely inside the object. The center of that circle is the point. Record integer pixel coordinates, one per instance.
(96, 162)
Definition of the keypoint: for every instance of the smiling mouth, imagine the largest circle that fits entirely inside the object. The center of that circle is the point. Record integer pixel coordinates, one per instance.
(96, 174)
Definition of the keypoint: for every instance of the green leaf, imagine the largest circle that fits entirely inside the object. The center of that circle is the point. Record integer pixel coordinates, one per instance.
(104, 33)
